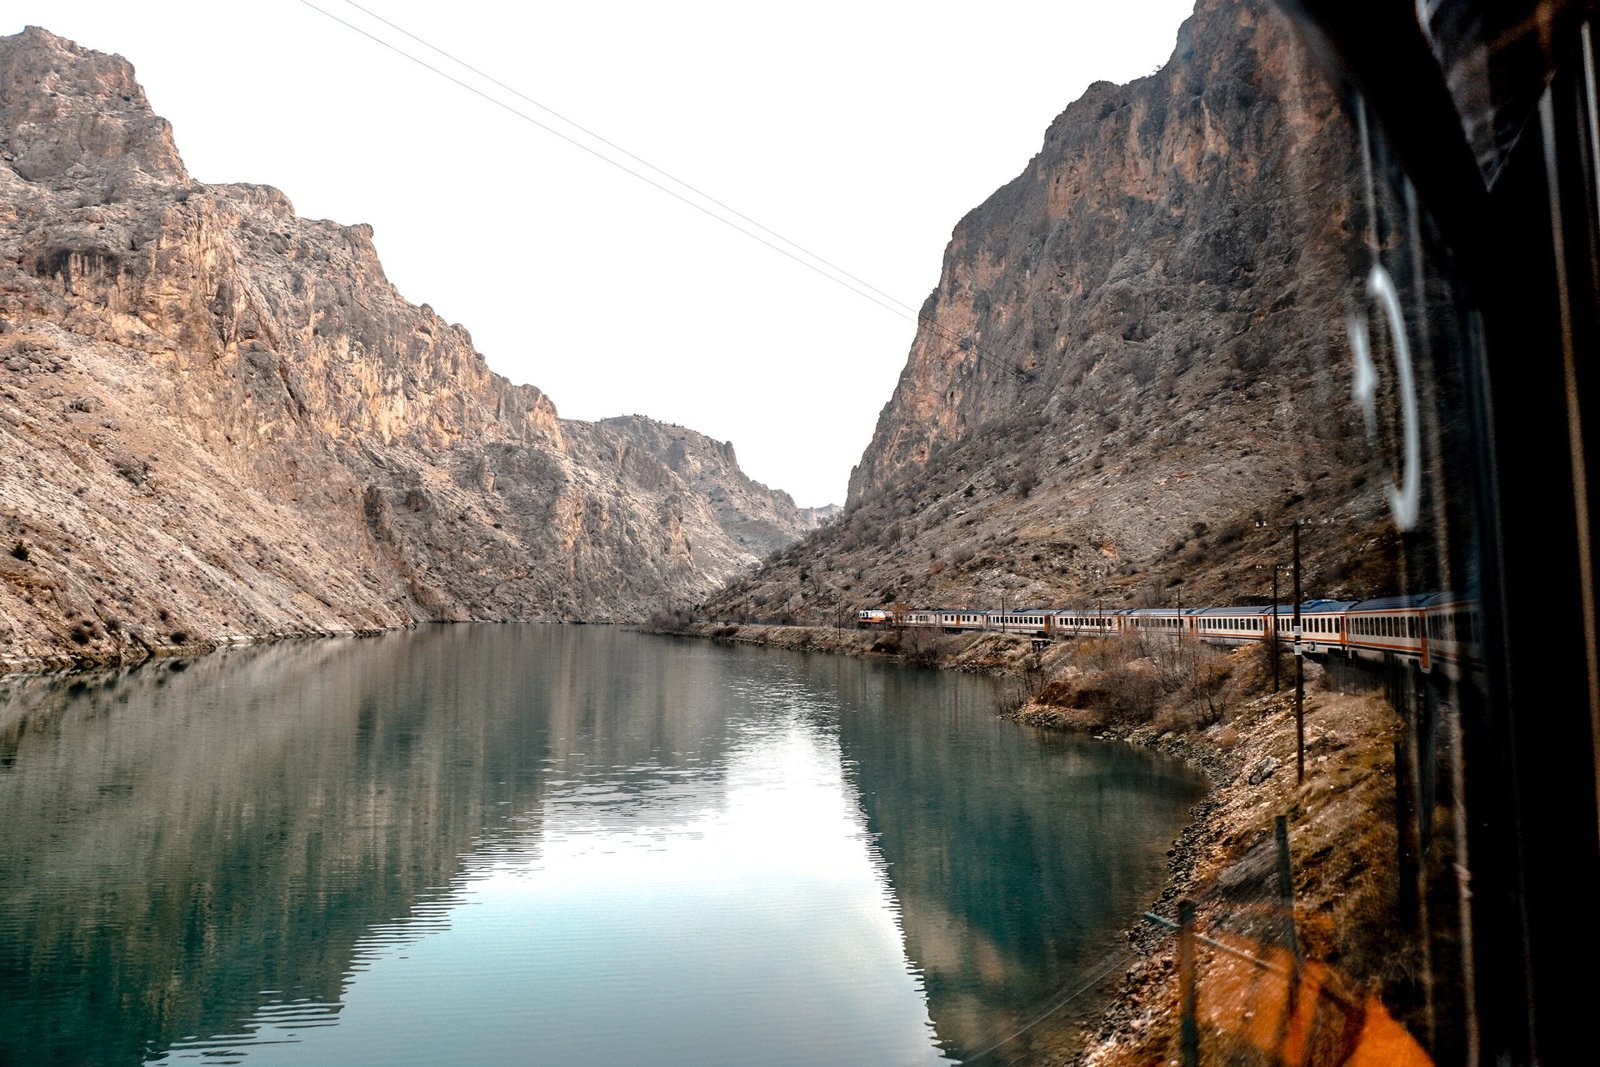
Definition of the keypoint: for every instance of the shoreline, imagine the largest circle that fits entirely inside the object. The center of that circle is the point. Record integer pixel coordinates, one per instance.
(979, 652)
(1343, 867)
(1342, 839)
(68, 662)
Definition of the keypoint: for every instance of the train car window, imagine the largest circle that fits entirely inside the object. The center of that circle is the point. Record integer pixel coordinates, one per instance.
(1452, 244)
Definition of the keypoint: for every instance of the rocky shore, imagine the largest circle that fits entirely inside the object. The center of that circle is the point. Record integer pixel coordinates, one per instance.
(996, 653)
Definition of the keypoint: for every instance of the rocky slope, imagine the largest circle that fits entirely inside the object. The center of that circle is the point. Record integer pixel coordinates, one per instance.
(219, 420)
(759, 519)
(1135, 354)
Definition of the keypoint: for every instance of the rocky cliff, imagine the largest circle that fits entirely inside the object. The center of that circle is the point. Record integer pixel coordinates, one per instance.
(219, 420)
(759, 519)
(1135, 353)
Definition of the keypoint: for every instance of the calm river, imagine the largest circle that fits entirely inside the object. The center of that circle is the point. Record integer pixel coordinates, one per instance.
(552, 845)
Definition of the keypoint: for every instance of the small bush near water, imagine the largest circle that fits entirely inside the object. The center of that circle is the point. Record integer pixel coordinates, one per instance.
(1178, 685)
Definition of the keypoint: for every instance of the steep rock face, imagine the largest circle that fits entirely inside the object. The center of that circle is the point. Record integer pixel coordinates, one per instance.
(1135, 352)
(1153, 231)
(757, 518)
(218, 420)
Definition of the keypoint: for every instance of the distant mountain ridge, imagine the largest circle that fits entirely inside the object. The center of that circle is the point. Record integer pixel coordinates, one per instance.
(219, 421)
(760, 519)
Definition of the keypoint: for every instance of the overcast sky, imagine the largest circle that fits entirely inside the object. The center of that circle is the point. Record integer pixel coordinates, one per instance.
(861, 130)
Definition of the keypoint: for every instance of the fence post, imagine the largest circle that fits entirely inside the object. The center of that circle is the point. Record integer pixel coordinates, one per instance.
(1186, 986)
(1291, 939)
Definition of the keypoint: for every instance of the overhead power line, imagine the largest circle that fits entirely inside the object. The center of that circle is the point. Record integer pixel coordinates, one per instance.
(808, 259)
(519, 94)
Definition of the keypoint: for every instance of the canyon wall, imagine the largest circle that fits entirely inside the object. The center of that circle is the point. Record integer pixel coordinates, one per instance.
(1135, 354)
(219, 421)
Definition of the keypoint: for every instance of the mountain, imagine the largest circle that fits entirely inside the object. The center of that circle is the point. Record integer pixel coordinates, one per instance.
(1135, 354)
(760, 519)
(219, 421)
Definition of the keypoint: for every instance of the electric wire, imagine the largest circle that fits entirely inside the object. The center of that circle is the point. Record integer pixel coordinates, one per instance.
(1054, 1006)
(514, 91)
(842, 278)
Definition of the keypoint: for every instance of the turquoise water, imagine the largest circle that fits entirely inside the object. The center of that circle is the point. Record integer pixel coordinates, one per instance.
(552, 845)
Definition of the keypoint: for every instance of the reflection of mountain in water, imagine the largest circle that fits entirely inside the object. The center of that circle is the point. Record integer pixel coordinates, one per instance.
(1016, 863)
(202, 861)
(193, 838)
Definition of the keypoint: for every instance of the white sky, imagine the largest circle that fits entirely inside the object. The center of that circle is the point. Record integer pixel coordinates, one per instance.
(863, 130)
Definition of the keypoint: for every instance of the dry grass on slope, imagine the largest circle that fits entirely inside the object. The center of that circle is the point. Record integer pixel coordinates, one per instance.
(1186, 685)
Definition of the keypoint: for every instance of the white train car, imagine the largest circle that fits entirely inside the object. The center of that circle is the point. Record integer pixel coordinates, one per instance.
(1030, 622)
(1157, 622)
(1322, 626)
(1082, 622)
(962, 620)
(1453, 631)
(1387, 626)
(1232, 625)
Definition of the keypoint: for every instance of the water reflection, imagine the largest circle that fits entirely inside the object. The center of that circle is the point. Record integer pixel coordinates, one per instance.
(486, 844)
(1017, 858)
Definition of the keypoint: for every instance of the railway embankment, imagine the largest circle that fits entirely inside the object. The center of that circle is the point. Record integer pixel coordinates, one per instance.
(996, 653)
(1218, 711)
(1343, 857)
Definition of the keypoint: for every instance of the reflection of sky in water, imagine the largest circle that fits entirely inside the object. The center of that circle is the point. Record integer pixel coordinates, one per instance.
(550, 845)
(726, 912)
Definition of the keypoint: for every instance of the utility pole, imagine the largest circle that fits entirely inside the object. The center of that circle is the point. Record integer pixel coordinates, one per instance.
(1299, 663)
(1299, 673)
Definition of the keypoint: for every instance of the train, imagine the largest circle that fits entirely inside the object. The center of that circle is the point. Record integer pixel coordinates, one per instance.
(1429, 629)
